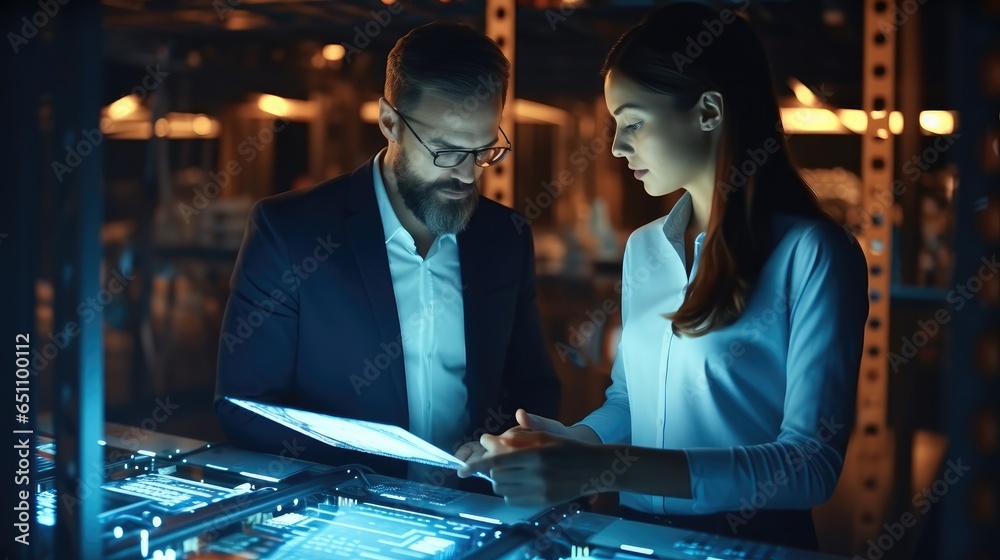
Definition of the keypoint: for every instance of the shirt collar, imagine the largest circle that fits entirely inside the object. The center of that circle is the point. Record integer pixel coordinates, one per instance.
(390, 222)
(391, 226)
(677, 221)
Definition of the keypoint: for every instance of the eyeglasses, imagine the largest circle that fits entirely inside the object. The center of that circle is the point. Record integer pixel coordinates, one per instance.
(484, 157)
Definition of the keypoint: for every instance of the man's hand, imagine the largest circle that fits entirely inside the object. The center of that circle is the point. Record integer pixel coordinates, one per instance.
(532, 468)
(470, 451)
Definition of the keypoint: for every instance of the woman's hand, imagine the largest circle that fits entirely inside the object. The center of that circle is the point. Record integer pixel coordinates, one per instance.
(535, 468)
(527, 421)
(473, 450)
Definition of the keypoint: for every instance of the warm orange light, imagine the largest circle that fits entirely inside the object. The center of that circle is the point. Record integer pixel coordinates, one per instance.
(273, 104)
(855, 120)
(803, 93)
(334, 52)
(896, 122)
(369, 111)
(810, 120)
(162, 127)
(294, 109)
(201, 125)
(123, 107)
(937, 122)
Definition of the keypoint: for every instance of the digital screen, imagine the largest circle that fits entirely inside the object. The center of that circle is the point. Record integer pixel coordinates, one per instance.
(172, 493)
(357, 435)
(357, 530)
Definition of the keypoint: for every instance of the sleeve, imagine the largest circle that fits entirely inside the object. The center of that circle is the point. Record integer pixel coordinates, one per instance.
(530, 381)
(827, 315)
(613, 421)
(259, 332)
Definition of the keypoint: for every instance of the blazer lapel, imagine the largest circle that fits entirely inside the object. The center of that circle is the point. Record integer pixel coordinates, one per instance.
(364, 228)
(471, 255)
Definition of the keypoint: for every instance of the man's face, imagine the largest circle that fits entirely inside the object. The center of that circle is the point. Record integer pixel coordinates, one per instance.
(443, 199)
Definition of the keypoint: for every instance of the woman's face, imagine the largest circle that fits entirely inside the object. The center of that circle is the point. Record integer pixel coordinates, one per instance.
(667, 149)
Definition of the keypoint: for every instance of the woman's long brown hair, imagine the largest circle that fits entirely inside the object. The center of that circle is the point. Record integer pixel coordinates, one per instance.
(683, 50)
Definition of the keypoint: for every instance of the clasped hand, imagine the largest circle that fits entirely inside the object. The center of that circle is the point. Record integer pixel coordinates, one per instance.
(537, 462)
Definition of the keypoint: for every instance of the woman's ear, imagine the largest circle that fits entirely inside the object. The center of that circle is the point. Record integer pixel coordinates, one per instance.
(710, 110)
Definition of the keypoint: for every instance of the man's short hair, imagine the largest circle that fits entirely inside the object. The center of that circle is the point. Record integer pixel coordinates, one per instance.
(449, 59)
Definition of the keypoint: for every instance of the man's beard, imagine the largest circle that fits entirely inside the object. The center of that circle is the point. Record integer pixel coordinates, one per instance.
(438, 214)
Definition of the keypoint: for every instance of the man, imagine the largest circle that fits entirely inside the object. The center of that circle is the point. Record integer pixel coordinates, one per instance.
(396, 293)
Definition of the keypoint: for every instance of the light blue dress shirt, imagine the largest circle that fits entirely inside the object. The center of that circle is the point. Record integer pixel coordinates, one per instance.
(432, 325)
(763, 407)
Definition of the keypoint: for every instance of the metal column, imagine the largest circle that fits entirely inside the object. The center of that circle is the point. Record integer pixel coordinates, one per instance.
(19, 257)
(498, 182)
(969, 518)
(909, 143)
(872, 437)
(78, 402)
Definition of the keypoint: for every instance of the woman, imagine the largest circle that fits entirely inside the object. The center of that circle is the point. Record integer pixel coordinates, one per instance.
(743, 310)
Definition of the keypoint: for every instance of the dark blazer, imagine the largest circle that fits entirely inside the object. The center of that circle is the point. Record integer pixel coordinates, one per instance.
(311, 321)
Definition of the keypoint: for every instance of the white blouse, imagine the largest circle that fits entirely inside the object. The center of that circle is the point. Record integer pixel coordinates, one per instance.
(763, 408)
